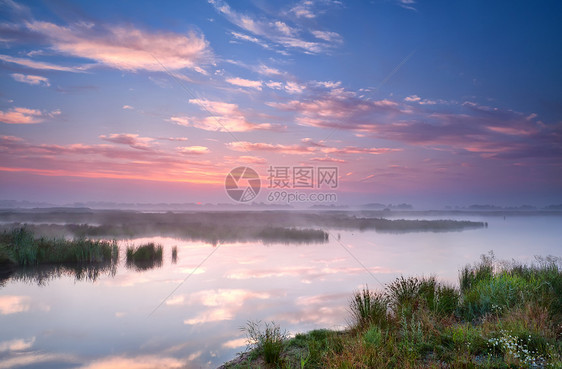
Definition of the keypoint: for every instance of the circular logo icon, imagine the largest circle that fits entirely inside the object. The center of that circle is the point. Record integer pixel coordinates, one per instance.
(242, 184)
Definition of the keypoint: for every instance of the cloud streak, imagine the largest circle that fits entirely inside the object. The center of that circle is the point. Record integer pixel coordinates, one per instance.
(245, 83)
(225, 117)
(126, 47)
(31, 79)
(39, 64)
(276, 32)
(307, 146)
(20, 115)
(434, 124)
(132, 140)
(124, 160)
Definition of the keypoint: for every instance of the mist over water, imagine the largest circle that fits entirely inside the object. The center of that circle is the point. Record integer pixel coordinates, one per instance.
(108, 314)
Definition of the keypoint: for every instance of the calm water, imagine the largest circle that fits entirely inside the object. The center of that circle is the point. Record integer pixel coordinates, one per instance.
(123, 319)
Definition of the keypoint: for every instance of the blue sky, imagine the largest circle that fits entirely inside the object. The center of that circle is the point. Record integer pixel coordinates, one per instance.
(429, 102)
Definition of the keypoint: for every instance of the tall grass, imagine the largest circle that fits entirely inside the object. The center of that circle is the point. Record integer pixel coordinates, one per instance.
(144, 256)
(268, 340)
(369, 308)
(494, 288)
(21, 247)
(472, 274)
(502, 315)
(174, 255)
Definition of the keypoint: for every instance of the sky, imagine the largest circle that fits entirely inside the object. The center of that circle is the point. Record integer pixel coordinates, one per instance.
(432, 103)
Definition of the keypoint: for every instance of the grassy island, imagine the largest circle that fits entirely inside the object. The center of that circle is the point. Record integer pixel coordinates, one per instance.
(20, 247)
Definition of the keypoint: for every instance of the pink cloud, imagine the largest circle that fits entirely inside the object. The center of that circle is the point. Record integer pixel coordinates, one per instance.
(337, 108)
(245, 83)
(359, 150)
(242, 36)
(294, 88)
(303, 10)
(327, 36)
(328, 160)
(515, 131)
(260, 146)
(225, 117)
(245, 159)
(193, 150)
(268, 71)
(38, 64)
(467, 127)
(25, 116)
(133, 140)
(174, 139)
(105, 161)
(127, 48)
(31, 79)
(306, 146)
(412, 98)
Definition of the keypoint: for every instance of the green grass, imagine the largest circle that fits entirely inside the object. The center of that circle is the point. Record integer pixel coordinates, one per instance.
(174, 255)
(368, 308)
(372, 336)
(502, 315)
(21, 247)
(268, 340)
(144, 256)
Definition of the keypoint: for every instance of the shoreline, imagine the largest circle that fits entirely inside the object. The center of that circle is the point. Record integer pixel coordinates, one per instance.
(502, 315)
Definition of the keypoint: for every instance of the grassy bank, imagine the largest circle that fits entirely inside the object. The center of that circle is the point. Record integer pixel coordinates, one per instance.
(20, 247)
(502, 315)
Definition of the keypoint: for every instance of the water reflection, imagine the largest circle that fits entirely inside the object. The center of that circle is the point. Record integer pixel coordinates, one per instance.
(138, 362)
(13, 304)
(42, 274)
(141, 265)
(102, 321)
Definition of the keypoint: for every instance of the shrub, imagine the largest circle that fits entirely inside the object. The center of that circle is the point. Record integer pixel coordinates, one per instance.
(411, 336)
(470, 275)
(368, 307)
(404, 295)
(144, 256)
(447, 300)
(495, 295)
(268, 341)
(467, 338)
(148, 252)
(372, 337)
